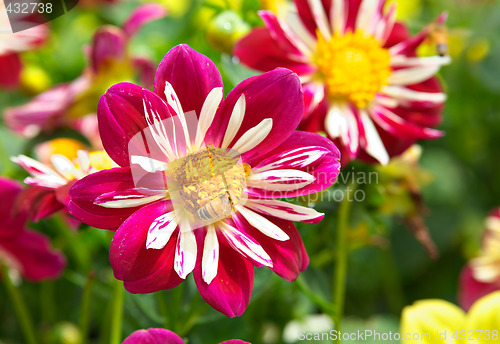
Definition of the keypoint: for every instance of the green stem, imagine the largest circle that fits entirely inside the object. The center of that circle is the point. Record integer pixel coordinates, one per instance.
(342, 251)
(19, 307)
(86, 307)
(117, 313)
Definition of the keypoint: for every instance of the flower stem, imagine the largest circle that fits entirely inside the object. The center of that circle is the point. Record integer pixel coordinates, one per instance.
(86, 307)
(117, 313)
(19, 307)
(342, 251)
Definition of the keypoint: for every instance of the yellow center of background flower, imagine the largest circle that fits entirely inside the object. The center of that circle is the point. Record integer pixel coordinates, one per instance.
(353, 66)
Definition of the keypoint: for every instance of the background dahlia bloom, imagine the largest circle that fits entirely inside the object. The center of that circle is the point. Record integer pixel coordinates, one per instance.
(162, 336)
(12, 44)
(152, 248)
(26, 253)
(48, 190)
(481, 275)
(109, 62)
(363, 82)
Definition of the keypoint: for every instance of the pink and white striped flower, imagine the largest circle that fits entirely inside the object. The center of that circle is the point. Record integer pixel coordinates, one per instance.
(153, 248)
(364, 84)
(48, 190)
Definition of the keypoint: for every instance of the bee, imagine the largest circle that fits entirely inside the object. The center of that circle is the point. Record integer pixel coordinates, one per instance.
(438, 35)
(220, 207)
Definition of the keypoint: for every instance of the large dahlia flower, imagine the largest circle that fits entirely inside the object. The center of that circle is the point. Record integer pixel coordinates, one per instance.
(156, 246)
(363, 82)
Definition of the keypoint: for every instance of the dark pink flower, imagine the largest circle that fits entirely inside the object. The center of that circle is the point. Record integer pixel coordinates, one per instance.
(109, 62)
(12, 44)
(481, 275)
(363, 82)
(26, 253)
(162, 336)
(155, 247)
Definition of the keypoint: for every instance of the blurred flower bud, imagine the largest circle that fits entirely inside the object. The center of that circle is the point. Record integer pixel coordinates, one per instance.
(225, 29)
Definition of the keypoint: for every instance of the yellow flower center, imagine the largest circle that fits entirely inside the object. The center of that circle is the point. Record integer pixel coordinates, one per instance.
(207, 184)
(354, 67)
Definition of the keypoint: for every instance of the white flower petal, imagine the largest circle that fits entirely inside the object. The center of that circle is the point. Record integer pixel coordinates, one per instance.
(406, 94)
(372, 142)
(185, 251)
(129, 201)
(158, 132)
(301, 37)
(320, 18)
(283, 210)
(234, 121)
(262, 224)
(210, 260)
(338, 15)
(148, 164)
(246, 245)
(366, 13)
(41, 174)
(253, 136)
(161, 230)
(207, 114)
(413, 75)
(175, 103)
(404, 61)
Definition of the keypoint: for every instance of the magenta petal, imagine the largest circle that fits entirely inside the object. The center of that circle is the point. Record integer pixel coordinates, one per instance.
(141, 16)
(471, 290)
(325, 169)
(260, 51)
(10, 70)
(121, 117)
(277, 32)
(85, 191)
(11, 218)
(289, 257)
(153, 336)
(230, 290)
(45, 111)
(191, 74)
(276, 95)
(32, 251)
(39, 202)
(397, 126)
(143, 270)
(109, 45)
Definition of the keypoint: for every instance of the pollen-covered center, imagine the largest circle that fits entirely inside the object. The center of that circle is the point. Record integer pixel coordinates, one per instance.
(207, 184)
(353, 66)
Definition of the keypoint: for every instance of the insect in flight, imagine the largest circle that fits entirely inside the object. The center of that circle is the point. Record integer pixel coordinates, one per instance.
(438, 35)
